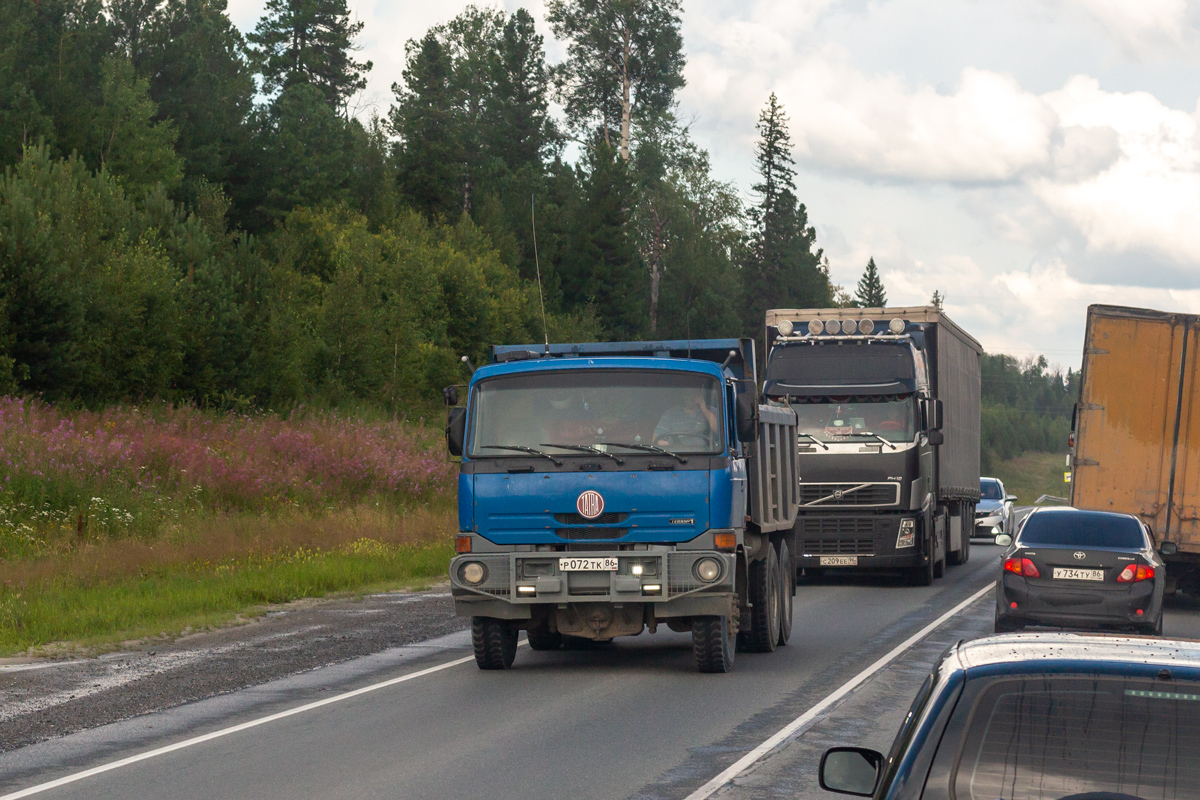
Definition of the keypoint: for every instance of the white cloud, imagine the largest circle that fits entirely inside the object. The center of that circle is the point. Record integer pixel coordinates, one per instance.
(1143, 27)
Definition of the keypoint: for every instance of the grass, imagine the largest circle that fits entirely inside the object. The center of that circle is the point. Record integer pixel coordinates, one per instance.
(140, 521)
(1033, 475)
(223, 569)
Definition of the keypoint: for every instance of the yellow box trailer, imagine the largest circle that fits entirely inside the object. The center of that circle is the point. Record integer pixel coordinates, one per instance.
(1136, 433)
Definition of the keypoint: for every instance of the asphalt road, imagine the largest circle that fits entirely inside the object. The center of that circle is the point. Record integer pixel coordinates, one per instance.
(632, 719)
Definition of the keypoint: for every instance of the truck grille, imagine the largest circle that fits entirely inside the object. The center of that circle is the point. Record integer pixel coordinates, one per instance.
(825, 495)
(591, 533)
(825, 527)
(607, 518)
(837, 547)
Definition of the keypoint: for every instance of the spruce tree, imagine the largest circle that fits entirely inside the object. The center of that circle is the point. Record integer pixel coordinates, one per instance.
(517, 126)
(938, 300)
(426, 119)
(870, 292)
(309, 41)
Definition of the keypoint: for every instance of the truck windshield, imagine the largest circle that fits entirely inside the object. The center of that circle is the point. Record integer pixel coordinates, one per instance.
(833, 419)
(680, 412)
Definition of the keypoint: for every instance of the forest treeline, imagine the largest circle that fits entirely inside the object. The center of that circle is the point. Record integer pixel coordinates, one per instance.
(1027, 407)
(192, 214)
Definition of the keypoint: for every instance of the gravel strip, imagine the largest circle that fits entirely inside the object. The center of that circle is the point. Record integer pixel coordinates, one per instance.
(45, 699)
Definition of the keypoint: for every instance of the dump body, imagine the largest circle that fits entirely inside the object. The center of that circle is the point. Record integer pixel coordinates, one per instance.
(1137, 428)
(586, 509)
(909, 378)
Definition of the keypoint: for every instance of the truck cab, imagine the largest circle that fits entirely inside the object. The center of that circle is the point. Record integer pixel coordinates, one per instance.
(604, 489)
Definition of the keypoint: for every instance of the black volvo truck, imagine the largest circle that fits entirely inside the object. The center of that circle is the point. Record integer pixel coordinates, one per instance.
(888, 435)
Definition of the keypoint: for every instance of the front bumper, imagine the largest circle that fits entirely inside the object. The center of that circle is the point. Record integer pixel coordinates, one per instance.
(515, 582)
(869, 540)
(984, 525)
(1042, 604)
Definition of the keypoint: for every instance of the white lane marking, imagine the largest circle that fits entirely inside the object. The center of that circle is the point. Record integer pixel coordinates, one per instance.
(124, 762)
(784, 733)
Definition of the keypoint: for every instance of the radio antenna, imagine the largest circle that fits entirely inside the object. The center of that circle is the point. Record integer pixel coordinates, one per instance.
(537, 264)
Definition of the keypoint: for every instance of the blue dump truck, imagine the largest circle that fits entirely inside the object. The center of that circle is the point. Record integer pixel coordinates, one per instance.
(609, 488)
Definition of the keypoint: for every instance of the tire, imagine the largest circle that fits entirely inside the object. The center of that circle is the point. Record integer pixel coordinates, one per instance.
(922, 575)
(542, 638)
(787, 593)
(1152, 629)
(1006, 625)
(939, 566)
(495, 642)
(764, 606)
(964, 553)
(712, 645)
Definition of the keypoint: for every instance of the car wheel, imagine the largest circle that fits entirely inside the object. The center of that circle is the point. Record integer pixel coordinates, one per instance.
(1006, 625)
(1152, 629)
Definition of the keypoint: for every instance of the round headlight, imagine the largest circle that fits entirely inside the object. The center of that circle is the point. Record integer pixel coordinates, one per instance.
(896, 326)
(472, 572)
(866, 326)
(784, 327)
(833, 326)
(815, 327)
(708, 569)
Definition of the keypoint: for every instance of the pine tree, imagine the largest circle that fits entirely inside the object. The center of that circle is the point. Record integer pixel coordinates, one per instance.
(309, 41)
(783, 269)
(938, 300)
(624, 65)
(517, 126)
(426, 119)
(870, 292)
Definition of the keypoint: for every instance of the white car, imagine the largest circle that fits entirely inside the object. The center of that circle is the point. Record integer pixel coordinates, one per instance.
(994, 513)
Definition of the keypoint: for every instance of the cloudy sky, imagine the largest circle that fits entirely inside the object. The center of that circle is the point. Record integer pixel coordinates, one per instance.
(1026, 157)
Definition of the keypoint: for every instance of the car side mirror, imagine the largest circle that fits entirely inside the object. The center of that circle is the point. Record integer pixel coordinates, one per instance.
(935, 438)
(1004, 540)
(1012, 498)
(850, 770)
(456, 430)
(746, 414)
(1168, 548)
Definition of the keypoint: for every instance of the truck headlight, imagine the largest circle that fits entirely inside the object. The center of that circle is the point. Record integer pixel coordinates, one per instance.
(707, 569)
(472, 572)
(908, 533)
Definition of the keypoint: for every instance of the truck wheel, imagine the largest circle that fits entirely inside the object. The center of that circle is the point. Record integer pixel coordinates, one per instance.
(495, 642)
(542, 638)
(711, 644)
(961, 555)
(787, 591)
(764, 611)
(939, 566)
(922, 575)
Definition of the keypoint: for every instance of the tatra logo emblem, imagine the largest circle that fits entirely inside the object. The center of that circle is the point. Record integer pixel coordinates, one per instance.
(1081, 556)
(590, 504)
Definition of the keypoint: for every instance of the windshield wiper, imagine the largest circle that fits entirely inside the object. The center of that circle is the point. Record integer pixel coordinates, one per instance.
(583, 448)
(872, 435)
(523, 449)
(815, 439)
(649, 448)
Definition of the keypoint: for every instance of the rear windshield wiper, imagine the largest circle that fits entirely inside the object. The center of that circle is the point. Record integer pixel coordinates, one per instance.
(649, 448)
(815, 439)
(523, 449)
(583, 448)
(873, 436)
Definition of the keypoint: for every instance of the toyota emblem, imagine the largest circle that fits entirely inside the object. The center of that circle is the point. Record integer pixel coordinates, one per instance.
(590, 504)
(1080, 556)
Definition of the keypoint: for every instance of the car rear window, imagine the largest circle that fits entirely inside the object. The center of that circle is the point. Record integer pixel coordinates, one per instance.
(1081, 529)
(1052, 738)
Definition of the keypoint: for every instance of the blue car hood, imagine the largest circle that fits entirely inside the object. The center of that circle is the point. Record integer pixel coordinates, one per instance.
(537, 508)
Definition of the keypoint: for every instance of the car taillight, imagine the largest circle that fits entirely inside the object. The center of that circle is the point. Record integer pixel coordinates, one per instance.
(1133, 574)
(1022, 566)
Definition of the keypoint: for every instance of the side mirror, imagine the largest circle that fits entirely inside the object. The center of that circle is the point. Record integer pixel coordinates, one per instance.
(450, 395)
(1004, 540)
(935, 437)
(850, 770)
(746, 415)
(1168, 548)
(456, 430)
(1012, 498)
(931, 409)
